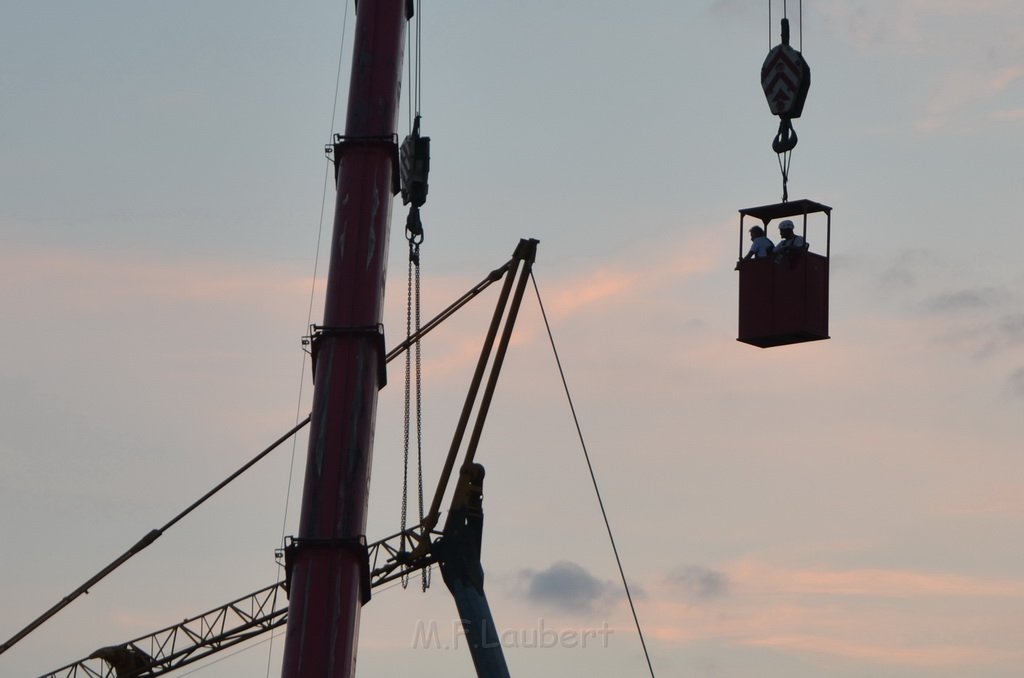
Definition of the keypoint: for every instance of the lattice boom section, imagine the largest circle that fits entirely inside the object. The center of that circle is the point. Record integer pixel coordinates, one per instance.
(189, 641)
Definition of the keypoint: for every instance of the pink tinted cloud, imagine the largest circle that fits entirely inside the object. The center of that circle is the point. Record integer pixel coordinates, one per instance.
(966, 87)
(872, 615)
(902, 26)
(84, 279)
(1005, 498)
(928, 656)
(634, 277)
(869, 582)
(597, 290)
(1008, 115)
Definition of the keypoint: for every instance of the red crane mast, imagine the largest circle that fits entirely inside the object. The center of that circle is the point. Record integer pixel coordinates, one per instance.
(329, 581)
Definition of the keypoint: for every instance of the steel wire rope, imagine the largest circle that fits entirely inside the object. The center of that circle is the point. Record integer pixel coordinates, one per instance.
(316, 262)
(154, 534)
(150, 537)
(312, 294)
(413, 66)
(785, 158)
(593, 477)
(419, 57)
(409, 71)
(413, 301)
(419, 363)
(446, 313)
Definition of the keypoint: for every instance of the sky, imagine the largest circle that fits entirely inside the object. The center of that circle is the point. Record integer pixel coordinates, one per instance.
(841, 508)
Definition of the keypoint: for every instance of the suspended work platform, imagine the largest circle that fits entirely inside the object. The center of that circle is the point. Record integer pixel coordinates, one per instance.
(784, 297)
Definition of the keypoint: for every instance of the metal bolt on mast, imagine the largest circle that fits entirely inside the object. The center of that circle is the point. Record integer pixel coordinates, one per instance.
(329, 578)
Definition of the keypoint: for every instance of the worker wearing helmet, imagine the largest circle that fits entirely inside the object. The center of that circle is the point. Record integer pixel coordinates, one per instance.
(789, 243)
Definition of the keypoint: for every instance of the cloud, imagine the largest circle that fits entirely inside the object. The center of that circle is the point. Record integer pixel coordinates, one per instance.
(876, 616)
(88, 281)
(1011, 328)
(566, 586)
(1007, 115)
(597, 287)
(634, 277)
(872, 582)
(735, 10)
(1002, 334)
(699, 583)
(963, 88)
(1000, 497)
(931, 656)
(1016, 381)
(907, 25)
(977, 73)
(965, 300)
(861, 25)
(906, 268)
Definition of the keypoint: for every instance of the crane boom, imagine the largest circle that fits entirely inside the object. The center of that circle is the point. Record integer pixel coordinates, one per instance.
(328, 577)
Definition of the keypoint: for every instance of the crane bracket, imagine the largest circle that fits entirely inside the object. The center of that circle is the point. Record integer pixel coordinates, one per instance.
(342, 144)
(355, 545)
(320, 332)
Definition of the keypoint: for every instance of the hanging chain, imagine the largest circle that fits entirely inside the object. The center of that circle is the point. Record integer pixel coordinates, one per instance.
(405, 436)
(414, 234)
(425, 582)
(415, 156)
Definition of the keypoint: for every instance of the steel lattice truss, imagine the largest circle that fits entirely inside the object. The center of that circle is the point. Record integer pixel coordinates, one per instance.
(238, 621)
(187, 642)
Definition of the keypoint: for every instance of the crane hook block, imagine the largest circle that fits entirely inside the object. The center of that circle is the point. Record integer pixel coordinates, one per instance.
(415, 166)
(785, 78)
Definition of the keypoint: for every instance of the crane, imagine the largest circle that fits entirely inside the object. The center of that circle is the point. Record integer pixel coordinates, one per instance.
(455, 548)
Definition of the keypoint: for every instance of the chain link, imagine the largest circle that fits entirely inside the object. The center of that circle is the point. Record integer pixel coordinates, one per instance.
(419, 409)
(412, 299)
(405, 436)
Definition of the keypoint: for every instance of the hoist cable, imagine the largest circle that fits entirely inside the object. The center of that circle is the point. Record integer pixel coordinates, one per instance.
(312, 292)
(316, 259)
(593, 478)
(413, 67)
(784, 161)
(316, 264)
(419, 59)
(150, 537)
(412, 80)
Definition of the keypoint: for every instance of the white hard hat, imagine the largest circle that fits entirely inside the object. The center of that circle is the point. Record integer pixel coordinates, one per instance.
(786, 225)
